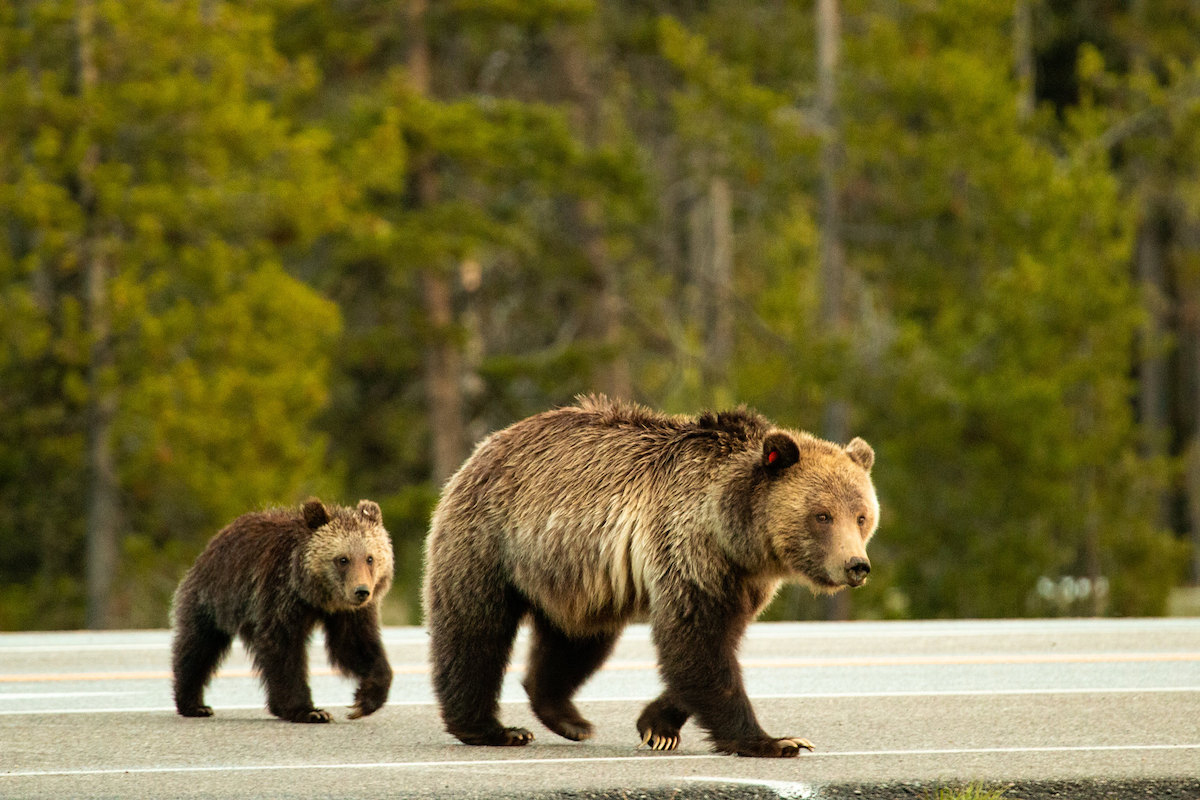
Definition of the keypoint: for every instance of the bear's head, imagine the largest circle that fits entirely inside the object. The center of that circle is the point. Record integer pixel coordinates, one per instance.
(820, 508)
(347, 561)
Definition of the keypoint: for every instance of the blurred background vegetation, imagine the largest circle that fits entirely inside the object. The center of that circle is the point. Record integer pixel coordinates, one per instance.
(253, 250)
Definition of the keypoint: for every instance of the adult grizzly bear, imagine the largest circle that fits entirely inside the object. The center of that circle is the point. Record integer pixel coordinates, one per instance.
(582, 517)
(270, 577)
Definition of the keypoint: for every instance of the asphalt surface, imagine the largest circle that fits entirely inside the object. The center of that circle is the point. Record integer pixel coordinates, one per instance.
(1038, 708)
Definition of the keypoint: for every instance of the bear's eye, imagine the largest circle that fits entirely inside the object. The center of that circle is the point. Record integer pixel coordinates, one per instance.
(343, 560)
(824, 518)
(862, 520)
(370, 559)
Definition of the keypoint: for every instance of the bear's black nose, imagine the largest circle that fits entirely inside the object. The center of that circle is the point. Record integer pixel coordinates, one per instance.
(857, 571)
(362, 593)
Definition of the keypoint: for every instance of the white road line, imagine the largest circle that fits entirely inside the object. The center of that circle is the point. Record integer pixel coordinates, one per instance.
(493, 762)
(56, 695)
(642, 699)
(784, 790)
(1080, 748)
(509, 763)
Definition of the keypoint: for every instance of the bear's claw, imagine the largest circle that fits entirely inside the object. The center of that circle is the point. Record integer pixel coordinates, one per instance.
(785, 747)
(658, 742)
(790, 741)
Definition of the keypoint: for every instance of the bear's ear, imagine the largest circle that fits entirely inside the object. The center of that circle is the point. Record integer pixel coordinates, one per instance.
(861, 453)
(315, 514)
(369, 510)
(780, 451)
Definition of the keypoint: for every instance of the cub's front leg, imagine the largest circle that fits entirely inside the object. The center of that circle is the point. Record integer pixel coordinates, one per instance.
(355, 647)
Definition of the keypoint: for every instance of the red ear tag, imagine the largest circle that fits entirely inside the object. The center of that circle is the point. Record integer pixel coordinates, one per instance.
(772, 456)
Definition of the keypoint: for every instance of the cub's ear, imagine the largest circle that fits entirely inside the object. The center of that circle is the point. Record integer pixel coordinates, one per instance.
(369, 510)
(861, 453)
(780, 451)
(315, 514)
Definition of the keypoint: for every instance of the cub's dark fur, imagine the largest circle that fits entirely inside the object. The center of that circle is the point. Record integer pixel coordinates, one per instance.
(583, 517)
(271, 577)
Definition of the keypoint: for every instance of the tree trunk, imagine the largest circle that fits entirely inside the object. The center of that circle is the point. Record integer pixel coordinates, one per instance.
(102, 523)
(1024, 63)
(1189, 341)
(831, 254)
(1152, 400)
(614, 378)
(443, 359)
(720, 291)
(443, 378)
(834, 322)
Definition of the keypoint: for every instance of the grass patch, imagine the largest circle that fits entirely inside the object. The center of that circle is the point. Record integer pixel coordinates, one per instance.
(971, 791)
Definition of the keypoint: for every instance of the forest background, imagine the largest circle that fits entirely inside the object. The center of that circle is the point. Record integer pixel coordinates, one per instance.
(254, 250)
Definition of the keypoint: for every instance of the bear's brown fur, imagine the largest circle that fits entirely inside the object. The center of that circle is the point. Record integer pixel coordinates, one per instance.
(270, 577)
(583, 517)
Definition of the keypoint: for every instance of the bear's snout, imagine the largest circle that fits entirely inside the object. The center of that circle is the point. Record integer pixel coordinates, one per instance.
(362, 593)
(857, 570)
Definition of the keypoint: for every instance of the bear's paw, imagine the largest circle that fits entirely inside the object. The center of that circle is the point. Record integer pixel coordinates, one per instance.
(784, 747)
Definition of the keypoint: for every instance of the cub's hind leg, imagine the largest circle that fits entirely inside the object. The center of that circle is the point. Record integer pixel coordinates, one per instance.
(197, 649)
(558, 666)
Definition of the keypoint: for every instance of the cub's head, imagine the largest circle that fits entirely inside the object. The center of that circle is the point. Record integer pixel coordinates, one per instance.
(820, 508)
(347, 562)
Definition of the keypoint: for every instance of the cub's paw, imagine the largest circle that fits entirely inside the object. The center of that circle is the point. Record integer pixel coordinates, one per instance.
(566, 721)
(577, 730)
(314, 715)
(370, 697)
(516, 737)
(196, 711)
(500, 737)
(786, 747)
(364, 706)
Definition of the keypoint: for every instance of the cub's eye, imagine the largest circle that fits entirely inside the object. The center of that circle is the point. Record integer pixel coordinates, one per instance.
(343, 560)
(370, 559)
(824, 518)
(862, 520)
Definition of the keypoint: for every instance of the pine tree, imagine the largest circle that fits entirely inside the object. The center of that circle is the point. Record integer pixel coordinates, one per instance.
(151, 357)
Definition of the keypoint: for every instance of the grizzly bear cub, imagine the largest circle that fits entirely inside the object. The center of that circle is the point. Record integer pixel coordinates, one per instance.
(584, 517)
(270, 577)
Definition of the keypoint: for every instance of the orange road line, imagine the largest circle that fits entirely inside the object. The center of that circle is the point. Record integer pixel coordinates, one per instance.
(153, 675)
(748, 663)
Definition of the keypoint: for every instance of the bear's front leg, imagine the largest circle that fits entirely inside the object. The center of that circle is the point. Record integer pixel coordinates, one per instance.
(660, 722)
(355, 647)
(697, 653)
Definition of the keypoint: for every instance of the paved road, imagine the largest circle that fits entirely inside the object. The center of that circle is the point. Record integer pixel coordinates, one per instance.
(907, 704)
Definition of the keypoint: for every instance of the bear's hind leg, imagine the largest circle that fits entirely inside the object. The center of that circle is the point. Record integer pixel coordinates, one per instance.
(196, 651)
(470, 644)
(558, 666)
